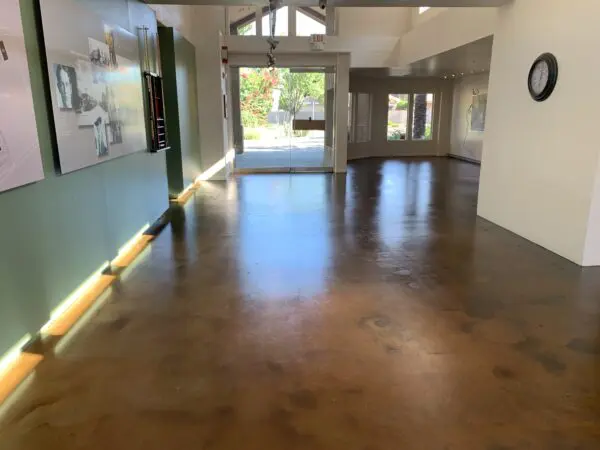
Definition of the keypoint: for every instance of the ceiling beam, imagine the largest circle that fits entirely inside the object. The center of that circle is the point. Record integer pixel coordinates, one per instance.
(340, 3)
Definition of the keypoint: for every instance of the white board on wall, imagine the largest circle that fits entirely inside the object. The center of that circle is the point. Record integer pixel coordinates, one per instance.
(95, 85)
(20, 158)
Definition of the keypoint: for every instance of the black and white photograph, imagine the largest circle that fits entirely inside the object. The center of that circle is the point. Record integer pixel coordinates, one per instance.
(100, 59)
(3, 52)
(66, 87)
(100, 136)
(109, 38)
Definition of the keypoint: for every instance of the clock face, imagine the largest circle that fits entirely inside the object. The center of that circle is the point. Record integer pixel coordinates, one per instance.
(539, 77)
(543, 77)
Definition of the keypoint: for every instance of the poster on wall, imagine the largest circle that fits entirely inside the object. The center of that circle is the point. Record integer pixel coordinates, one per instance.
(478, 112)
(96, 86)
(20, 158)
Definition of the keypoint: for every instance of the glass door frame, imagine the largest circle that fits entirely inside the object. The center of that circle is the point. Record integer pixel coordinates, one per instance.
(330, 115)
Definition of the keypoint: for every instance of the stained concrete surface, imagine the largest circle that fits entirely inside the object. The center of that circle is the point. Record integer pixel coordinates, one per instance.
(372, 311)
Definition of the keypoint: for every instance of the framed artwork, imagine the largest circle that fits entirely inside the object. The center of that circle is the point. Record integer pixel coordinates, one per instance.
(20, 157)
(478, 112)
(97, 93)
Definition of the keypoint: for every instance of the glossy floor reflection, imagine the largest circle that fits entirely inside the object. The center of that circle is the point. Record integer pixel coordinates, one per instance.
(372, 311)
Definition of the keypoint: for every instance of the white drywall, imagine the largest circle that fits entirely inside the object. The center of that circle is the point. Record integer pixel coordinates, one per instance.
(465, 142)
(361, 21)
(540, 160)
(179, 17)
(417, 19)
(445, 30)
(367, 51)
(591, 255)
(209, 23)
(202, 25)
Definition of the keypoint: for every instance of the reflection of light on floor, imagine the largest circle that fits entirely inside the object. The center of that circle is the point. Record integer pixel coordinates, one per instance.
(68, 317)
(216, 167)
(70, 333)
(287, 236)
(74, 297)
(9, 358)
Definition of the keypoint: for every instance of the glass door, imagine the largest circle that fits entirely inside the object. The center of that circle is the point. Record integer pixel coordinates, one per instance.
(312, 118)
(285, 120)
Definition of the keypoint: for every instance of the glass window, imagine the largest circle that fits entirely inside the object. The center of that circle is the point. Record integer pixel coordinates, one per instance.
(422, 117)
(306, 25)
(397, 117)
(422, 9)
(281, 24)
(248, 29)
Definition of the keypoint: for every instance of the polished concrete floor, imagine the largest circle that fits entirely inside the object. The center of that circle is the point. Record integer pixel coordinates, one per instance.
(367, 312)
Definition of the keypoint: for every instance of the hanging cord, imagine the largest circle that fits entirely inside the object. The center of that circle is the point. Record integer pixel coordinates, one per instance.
(273, 6)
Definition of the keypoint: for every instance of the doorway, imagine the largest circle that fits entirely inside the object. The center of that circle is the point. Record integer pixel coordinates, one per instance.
(283, 119)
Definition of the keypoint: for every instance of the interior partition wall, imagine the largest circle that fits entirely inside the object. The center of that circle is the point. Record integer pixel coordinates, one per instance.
(56, 233)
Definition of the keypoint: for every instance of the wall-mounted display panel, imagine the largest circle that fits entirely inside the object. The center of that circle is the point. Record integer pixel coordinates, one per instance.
(478, 112)
(20, 158)
(95, 84)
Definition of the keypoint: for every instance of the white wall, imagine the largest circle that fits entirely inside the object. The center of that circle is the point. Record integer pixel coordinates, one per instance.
(202, 25)
(380, 88)
(591, 256)
(361, 21)
(417, 19)
(209, 23)
(443, 31)
(178, 17)
(540, 160)
(463, 141)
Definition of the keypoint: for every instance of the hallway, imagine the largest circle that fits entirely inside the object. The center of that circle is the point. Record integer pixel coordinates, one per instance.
(314, 311)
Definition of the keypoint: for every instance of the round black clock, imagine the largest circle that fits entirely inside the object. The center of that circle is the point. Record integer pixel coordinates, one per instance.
(543, 76)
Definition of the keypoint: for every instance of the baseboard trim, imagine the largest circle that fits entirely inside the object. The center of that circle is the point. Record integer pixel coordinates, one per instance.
(464, 158)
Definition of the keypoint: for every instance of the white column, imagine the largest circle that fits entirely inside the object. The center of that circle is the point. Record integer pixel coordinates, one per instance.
(342, 87)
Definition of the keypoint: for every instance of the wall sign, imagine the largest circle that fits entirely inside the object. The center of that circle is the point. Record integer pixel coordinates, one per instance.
(20, 158)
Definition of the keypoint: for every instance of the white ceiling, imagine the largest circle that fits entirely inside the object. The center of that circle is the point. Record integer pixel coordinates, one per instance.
(433, 3)
(469, 59)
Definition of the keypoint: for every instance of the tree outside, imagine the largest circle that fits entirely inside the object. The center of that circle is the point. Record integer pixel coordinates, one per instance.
(296, 88)
(271, 99)
(256, 95)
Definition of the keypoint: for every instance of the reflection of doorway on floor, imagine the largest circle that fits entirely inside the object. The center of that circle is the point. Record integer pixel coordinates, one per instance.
(269, 101)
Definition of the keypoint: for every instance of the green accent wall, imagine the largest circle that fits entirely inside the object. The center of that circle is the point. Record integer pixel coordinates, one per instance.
(178, 61)
(54, 234)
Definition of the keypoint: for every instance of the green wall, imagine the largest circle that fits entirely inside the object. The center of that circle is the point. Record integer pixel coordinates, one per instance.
(178, 60)
(55, 233)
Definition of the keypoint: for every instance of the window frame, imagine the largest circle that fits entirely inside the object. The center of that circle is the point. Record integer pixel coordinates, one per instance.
(410, 119)
(321, 18)
(412, 114)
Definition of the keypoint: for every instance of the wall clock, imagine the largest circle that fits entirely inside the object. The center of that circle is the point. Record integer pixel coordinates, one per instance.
(543, 76)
